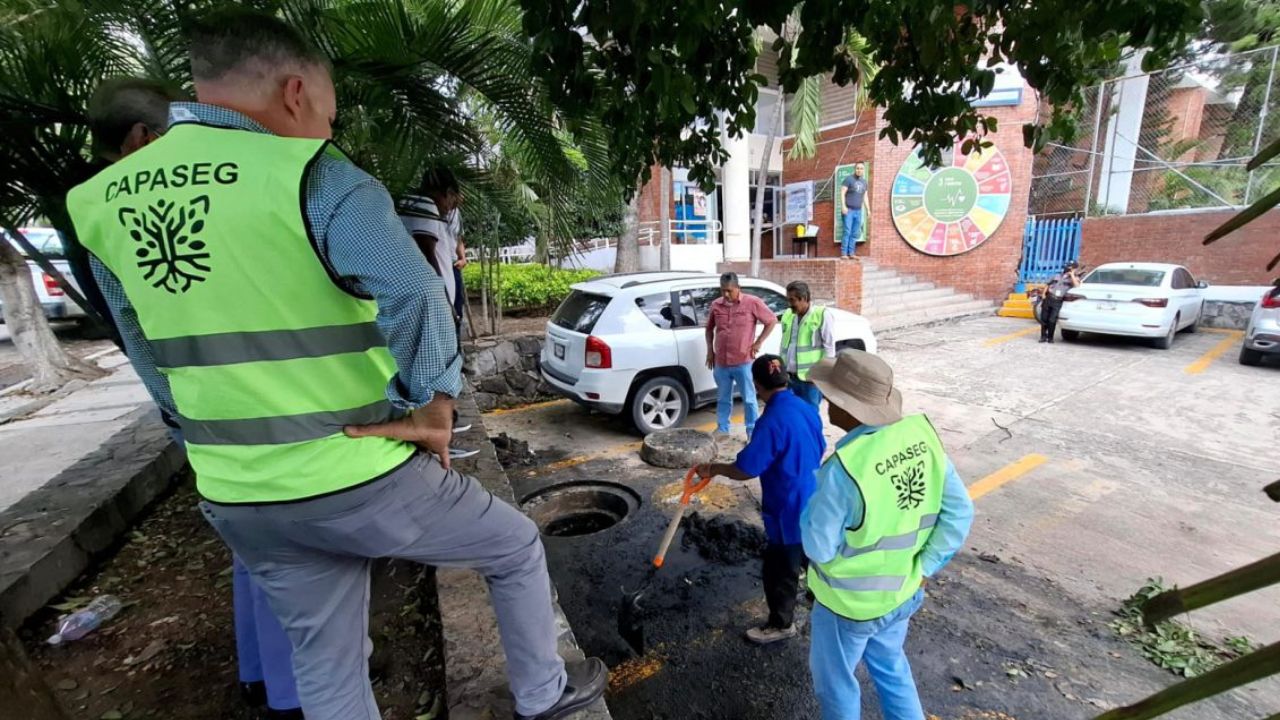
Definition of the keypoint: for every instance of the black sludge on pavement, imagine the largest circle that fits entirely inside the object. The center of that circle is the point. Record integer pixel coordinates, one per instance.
(722, 538)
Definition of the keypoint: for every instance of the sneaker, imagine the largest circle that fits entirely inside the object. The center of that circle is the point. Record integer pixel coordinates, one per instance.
(585, 684)
(461, 454)
(461, 428)
(766, 635)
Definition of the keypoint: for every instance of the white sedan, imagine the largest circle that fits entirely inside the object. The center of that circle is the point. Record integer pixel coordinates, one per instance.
(1151, 300)
(635, 344)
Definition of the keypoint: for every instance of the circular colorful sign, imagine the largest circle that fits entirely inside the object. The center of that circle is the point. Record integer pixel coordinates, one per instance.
(954, 207)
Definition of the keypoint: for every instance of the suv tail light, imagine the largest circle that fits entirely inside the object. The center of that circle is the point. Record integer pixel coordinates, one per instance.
(1271, 300)
(599, 355)
(51, 286)
(1153, 302)
(1072, 297)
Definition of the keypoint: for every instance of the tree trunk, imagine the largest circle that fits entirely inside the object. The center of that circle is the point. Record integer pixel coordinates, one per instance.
(761, 179)
(21, 685)
(664, 249)
(628, 256)
(51, 366)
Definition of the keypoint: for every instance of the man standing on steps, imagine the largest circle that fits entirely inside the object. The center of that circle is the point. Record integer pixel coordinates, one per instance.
(806, 340)
(309, 354)
(731, 346)
(889, 511)
(852, 192)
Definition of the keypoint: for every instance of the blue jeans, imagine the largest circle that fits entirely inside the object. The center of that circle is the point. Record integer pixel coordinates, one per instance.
(839, 644)
(806, 391)
(262, 648)
(852, 230)
(725, 379)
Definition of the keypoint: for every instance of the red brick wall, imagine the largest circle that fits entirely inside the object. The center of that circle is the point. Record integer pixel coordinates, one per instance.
(1237, 259)
(828, 278)
(838, 146)
(651, 197)
(989, 270)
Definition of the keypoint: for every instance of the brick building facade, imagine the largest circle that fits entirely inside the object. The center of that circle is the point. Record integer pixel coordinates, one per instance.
(1237, 259)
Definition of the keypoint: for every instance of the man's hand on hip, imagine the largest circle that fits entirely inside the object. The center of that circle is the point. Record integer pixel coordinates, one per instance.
(430, 427)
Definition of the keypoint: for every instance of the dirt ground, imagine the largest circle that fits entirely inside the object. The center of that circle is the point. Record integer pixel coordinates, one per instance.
(170, 654)
(1096, 465)
(12, 369)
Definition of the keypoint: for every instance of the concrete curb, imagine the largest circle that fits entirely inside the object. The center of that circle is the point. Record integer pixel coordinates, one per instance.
(48, 538)
(476, 682)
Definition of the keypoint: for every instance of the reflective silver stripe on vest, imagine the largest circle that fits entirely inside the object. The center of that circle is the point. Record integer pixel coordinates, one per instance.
(265, 345)
(283, 429)
(905, 541)
(869, 583)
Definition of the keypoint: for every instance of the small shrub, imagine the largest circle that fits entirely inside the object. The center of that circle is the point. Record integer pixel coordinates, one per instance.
(528, 286)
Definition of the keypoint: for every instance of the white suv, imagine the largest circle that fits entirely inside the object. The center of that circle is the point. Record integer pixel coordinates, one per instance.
(635, 343)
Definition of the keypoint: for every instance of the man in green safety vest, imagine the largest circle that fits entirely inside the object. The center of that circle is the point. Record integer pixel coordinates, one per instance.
(890, 510)
(807, 342)
(272, 301)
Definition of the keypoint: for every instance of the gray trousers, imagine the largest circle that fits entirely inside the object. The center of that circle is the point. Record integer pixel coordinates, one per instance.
(312, 559)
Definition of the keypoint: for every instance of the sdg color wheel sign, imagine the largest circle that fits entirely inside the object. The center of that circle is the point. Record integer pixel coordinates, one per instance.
(954, 207)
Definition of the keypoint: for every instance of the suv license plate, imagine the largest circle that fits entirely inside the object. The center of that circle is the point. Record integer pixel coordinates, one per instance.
(559, 351)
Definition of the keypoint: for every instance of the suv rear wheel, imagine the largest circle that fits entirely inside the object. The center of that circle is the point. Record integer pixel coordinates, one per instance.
(659, 403)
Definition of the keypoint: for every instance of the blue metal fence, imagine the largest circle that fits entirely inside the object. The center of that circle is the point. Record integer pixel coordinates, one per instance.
(1047, 245)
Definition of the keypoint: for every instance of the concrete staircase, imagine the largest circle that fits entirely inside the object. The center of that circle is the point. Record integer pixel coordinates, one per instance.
(1017, 305)
(892, 300)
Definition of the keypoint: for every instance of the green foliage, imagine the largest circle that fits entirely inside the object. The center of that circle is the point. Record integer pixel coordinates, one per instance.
(668, 78)
(428, 83)
(529, 286)
(1172, 645)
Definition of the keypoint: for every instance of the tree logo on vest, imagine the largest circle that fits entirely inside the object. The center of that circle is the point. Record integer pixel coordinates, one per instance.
(169, 249)
(910, 486)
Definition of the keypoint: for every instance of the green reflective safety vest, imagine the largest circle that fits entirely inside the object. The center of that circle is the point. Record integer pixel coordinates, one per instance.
(809, 350)
(899, 470)
(266, 356)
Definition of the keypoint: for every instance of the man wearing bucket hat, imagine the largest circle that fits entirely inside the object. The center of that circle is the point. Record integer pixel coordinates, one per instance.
(890, 510)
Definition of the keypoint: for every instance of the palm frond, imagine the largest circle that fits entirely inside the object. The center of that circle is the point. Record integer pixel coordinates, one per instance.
(806, 115)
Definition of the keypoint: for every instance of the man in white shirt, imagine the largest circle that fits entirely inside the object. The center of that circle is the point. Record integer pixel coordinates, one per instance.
(432, 219)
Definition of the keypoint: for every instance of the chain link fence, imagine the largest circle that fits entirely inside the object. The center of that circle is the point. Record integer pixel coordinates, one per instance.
(1171, 140)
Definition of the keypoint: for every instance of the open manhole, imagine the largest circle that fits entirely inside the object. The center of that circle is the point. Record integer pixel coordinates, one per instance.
(579, 508)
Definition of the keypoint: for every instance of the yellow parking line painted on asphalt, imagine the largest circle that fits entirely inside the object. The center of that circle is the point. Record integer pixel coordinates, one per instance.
(1011, 336)
(1006, 474)
(1220, 331)
(525, 408)
(1215, 352)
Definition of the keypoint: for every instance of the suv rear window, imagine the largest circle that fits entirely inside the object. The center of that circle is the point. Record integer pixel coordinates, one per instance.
(580, 311)
(1125, 276)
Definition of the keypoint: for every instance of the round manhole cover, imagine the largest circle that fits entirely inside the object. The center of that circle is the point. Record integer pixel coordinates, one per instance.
(678, 448)
(579, 508)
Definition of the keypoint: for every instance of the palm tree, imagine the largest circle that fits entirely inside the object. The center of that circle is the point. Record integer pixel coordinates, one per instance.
(414, 81)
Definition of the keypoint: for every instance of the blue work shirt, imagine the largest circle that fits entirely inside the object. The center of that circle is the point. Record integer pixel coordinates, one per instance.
(785, 452)
(837, 504)
(363, 242)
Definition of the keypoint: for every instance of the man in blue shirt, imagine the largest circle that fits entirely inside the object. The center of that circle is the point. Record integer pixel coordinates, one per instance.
(889, 511)
(784, 452)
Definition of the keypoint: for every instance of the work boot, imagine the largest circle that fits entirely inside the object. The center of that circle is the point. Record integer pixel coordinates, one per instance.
(766, 635)
(585, 684)
(253, 694)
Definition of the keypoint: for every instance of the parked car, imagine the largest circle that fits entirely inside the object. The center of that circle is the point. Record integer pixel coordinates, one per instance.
(56, 304)
(635, 343)
(1151, 300)
(1262, 336)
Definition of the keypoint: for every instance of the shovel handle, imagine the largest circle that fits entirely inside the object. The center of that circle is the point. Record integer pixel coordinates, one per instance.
(668, 536)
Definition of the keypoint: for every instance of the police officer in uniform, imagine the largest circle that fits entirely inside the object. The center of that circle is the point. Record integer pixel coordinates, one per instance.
(890, 510)
(1054, 295)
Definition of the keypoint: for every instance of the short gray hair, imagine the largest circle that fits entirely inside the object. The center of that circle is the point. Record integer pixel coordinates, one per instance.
(118, 104)
(238, 40)
(799, 288)
(729, 279)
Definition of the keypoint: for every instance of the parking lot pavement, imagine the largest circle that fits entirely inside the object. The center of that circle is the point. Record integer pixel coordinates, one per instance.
(1119, 462)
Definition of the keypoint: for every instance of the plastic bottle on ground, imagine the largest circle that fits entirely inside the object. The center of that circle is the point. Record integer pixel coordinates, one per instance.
(86, 619)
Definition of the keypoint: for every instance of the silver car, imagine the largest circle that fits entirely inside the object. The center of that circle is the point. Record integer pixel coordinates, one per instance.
(54, 302)
(1262, 336)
